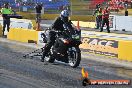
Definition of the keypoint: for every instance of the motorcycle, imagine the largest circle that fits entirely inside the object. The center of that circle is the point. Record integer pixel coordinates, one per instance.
(66, 47)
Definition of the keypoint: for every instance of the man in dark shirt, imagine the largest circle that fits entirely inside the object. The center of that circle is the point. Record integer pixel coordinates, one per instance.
(38, 8)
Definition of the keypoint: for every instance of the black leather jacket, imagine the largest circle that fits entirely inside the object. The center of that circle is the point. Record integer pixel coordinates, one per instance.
(58, 24)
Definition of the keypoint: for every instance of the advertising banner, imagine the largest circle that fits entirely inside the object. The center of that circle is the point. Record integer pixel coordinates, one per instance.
(100, 46)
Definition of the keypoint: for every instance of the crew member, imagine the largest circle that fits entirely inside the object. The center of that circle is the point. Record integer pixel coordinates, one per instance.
(6, 11)
(97, 14)
(105, 19)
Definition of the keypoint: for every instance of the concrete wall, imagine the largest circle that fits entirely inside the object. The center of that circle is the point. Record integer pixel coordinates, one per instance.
(23, 35)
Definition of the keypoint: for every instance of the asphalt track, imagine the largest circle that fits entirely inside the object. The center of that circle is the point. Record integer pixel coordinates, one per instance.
(19, 72)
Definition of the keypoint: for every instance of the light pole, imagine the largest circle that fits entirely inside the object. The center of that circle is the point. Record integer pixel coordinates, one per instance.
(71, 7)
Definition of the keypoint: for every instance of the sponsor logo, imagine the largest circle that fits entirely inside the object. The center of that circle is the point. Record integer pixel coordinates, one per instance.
(100, 46)
(86, 81)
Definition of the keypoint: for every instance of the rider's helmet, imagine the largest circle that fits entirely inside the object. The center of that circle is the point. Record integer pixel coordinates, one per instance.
(64, 15)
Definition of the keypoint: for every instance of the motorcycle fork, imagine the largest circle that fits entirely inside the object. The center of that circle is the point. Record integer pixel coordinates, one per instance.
(70, 53)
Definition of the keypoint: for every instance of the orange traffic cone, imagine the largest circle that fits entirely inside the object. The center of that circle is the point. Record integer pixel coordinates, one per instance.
(38, 26)
(84, 73)
(79, 30)
(78, 27)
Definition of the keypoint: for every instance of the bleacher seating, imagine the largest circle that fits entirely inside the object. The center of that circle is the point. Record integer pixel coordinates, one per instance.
(113, 4)
(117, 4)
(55, 5)
(47, 4)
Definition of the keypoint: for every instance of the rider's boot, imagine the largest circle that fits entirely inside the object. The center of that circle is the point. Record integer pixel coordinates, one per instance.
(43, 56)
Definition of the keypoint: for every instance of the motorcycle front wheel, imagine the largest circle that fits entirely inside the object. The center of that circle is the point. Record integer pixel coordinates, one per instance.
(74, 57)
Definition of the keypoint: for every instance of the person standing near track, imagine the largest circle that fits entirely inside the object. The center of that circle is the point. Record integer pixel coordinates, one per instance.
(38, 8)
(105, 19)
(98, 14)
(6, 12)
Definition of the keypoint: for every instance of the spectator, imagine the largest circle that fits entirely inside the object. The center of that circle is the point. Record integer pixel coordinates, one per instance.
(126, 4)
(131, 3)
(98, 14)
(61, 8)
(6, 11)
(38, 8)
(99, 18)
(105, 19)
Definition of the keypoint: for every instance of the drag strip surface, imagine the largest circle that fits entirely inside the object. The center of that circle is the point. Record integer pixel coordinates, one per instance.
(19, 72)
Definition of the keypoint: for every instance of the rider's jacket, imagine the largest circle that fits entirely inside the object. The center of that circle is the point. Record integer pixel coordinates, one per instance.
(58, 24)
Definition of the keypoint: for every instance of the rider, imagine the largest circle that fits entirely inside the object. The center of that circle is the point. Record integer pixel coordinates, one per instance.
(57, 25)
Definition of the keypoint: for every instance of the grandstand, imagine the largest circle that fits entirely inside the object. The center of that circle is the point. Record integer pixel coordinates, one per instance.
(54, 4)
(118, 4)
(86, 7)
(29, 4)
(77, 7)
(5, 1)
